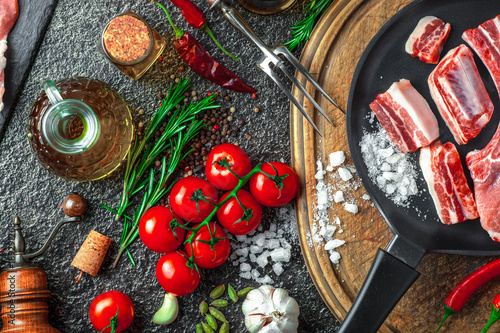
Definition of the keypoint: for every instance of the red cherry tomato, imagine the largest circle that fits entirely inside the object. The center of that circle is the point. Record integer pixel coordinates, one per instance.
(209, 255)
(237, 160)
(106, 306)
(156, 232)
(276, 187)
(176, 275)
(236, 220)
(186, 199)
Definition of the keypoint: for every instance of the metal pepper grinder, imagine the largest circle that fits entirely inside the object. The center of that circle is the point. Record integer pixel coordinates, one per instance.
(23, 288)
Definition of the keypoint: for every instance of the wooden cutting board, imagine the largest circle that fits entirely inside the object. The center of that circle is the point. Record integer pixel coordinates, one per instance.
(331, 56)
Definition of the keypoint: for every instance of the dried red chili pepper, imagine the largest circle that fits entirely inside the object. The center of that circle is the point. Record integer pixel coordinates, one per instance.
(495, 313)
(200, 61)
(193, 15)
(464, 290)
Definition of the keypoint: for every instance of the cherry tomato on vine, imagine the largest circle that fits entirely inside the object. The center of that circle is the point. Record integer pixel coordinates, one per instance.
(159, 230)
(232, 156)
(176, 274)
(188, 196)
(276, 185)
(237, 220)
(112, 309)
(213, 254)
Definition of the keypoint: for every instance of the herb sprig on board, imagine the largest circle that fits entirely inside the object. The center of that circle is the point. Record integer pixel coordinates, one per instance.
(140, 174)
(302, 30)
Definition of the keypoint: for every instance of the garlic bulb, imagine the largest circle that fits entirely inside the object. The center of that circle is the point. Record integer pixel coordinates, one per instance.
(270, 310)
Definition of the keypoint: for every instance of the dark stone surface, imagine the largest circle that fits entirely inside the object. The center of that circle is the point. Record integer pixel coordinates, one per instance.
(29, 191)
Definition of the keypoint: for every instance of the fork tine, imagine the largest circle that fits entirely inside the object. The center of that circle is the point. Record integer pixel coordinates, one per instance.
(264, 65)
(304, 91)
(284, 51)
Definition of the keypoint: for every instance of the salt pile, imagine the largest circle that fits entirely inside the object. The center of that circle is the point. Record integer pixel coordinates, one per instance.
(262, 254)
(393, 172)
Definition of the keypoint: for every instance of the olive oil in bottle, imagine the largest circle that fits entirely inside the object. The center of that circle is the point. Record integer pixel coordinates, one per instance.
(80, 129)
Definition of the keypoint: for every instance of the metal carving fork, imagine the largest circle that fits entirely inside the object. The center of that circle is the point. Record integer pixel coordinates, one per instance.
(271, 55)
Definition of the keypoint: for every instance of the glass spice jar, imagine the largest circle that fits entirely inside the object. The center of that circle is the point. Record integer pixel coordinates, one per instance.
(131, 44)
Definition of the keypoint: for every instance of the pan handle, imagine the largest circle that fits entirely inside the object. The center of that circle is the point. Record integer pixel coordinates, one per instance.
(388, 280)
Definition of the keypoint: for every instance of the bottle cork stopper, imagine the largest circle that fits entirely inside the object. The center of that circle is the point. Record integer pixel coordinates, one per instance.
(91, 255)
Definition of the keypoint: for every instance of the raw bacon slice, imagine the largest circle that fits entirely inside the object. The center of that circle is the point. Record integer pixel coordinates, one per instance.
(484, 166)
(485, 40)
(460, 95)
(406, 116)
(447, 184)
(427, 40)
(9, 11)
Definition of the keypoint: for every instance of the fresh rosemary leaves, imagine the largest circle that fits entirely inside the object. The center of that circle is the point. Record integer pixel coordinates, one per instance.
(302, 30)
(140, 174)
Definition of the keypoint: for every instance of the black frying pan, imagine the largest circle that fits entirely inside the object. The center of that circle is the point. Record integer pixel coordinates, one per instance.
(383, 62)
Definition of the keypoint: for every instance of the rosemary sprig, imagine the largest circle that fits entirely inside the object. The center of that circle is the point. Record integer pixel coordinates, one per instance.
(302, 30)
(140, 176)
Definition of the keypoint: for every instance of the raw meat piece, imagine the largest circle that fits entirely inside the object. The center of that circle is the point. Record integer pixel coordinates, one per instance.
(9, 12)
(485, 40)
(406, 116)
(484, 166)
(460, 95)
(447, 184)
(427, 40)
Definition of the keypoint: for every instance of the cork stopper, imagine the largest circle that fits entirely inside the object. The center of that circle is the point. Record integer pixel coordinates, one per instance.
(91, 255)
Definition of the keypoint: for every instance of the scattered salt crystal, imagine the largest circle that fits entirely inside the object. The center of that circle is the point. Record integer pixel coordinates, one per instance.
(338, 196)
(233, 256)
(337, 158)
(334, 257)
(386, 152)
(265, 280)
(390, 189)
(285, 244)
(329, 168)
(246, 275)
(345, 174)
(330, 230)
(253, 257)
(242, 259)
(256, 249)
(333, 244)
(241, 238)
(235, 263)
(245, 267)
(385, 167)
(366, 197)
(255, 273)
(280, 232)
(319, 174)
(270, 234)
(381, 180)
(351, 208)
(259, 239)
(262, 259)
(273, 243)
(243, 252)
(272, 227)
(278, 268)
(280, 254)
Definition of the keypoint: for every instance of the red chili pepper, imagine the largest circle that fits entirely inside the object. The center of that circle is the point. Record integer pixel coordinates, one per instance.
(495, 313)
(464, 290)
(193, 15)
(200, 61)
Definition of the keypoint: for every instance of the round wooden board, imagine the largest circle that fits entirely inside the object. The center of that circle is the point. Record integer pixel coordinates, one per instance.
(331, 56)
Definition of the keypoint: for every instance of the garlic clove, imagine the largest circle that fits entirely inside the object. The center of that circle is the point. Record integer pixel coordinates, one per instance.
(168, 311)
(254, 322)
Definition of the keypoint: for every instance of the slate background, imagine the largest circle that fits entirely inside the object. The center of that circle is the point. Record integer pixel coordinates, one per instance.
(29, 191)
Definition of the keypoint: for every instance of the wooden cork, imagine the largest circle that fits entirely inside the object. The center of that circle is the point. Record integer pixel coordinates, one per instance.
(91, 255)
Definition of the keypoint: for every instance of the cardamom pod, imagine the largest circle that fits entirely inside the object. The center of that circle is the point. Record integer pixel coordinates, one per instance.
(218, 291)
(224, 328)
(245, 291)
(217, 314)
(203, 308)
(220, 303)
(207, 329)
(232, 293)
(211, 321)
(199, 329)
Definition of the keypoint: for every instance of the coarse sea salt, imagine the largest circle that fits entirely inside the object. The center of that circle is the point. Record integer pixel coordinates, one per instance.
(392, 171)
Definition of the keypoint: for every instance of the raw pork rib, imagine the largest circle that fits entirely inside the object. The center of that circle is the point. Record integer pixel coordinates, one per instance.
(484, 166)
(447, 184)
(406, 116)
(427, 40)
(485, 40)
(460, 95)
(9, 12)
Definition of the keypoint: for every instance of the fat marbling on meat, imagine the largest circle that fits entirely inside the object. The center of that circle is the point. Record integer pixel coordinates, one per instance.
(460, 95)
(484, 166)
(427, 40)
(447, 184)
(485, 41)
(9, 11)
(406, 116)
